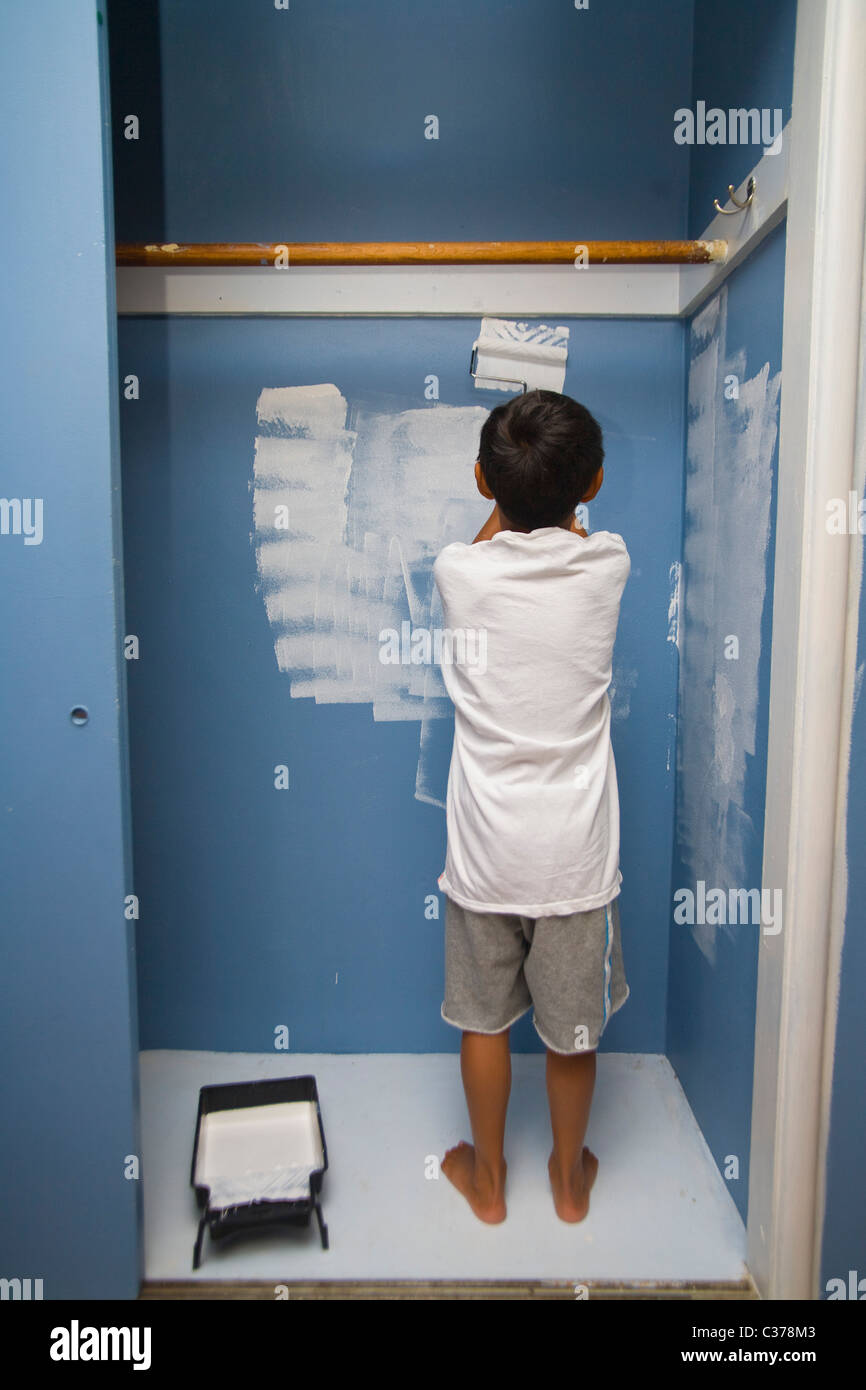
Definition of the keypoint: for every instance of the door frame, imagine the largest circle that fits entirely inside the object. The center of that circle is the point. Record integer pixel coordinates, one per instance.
(815, 609)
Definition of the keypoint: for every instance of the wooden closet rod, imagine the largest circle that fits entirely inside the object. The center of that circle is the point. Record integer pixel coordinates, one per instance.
(431, 253)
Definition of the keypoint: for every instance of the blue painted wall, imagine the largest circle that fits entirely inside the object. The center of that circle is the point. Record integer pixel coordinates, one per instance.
(743, 57)
(720, 816)
(68, 1028)
(307, 123)
(254, 900)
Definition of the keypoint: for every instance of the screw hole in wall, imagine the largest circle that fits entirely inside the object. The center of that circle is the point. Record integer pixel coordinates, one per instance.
(79, 715)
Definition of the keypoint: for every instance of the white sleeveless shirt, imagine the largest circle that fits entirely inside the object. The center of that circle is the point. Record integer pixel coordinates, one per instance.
(532, 807)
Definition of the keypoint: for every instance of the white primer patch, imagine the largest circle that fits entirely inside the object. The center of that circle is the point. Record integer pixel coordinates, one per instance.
(858, 684)
(728, 493)
(675, 575)
(623, 682)
(351, 508)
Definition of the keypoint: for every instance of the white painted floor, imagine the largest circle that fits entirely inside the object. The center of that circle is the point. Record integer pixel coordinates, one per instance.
(660, 1209)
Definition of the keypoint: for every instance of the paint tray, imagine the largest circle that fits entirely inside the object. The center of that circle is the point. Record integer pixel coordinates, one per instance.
(259, 1158)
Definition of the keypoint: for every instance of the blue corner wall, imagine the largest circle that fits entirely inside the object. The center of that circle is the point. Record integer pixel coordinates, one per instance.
(735, 345)
(743, 58)
(68, 1027)
(733, 391)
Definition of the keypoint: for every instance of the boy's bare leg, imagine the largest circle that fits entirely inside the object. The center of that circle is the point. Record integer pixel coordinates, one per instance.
(478, 1170)
(572, 1168)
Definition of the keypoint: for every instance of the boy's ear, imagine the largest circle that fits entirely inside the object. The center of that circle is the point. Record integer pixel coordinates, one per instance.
(594, 486)
(481, 482)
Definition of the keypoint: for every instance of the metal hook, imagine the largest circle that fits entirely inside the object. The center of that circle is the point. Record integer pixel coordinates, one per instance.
(738, 206)
(474, 358)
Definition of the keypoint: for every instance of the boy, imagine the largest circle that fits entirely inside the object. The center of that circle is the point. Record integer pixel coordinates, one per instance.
(531, 872)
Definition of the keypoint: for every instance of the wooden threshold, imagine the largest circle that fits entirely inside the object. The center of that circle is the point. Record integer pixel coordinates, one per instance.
(431, 1289)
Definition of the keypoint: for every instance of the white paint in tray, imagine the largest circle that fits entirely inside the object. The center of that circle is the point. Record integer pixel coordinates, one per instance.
(259, 1152)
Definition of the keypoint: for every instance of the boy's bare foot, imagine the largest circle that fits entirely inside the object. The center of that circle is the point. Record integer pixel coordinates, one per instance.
(485, 1197)
(571, 1193)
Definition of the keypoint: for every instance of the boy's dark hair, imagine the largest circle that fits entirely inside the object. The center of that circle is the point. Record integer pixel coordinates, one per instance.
(539, 454)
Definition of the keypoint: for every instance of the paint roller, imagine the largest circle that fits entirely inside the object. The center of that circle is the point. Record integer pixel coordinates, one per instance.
(506, 355)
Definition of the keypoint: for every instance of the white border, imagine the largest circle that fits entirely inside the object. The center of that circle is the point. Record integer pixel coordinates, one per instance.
(811, 660)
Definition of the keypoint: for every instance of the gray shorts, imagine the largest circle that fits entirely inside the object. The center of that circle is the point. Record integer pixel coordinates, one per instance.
(569, 968)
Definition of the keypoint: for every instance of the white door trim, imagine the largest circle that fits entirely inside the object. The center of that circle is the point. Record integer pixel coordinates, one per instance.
(812, 663)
